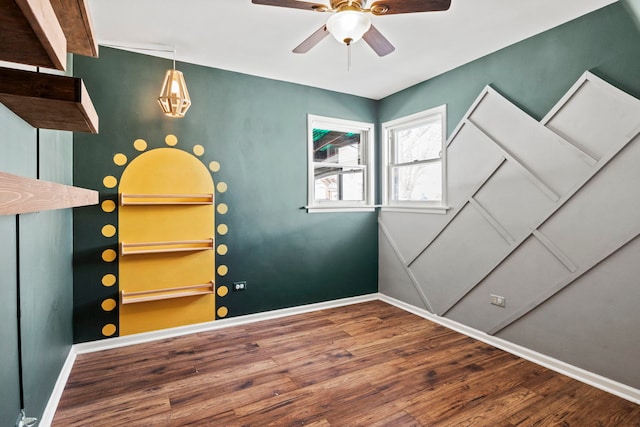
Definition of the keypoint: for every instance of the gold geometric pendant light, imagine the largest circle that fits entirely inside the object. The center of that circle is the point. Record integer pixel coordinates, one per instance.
(174, 97)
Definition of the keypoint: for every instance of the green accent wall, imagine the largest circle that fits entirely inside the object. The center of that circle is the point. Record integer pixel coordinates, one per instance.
(36, 251)
(536, 72)
(256, 129)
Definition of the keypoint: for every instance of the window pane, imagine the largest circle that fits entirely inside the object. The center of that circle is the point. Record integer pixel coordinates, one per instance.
(339, 184)
(419, 143)
(330, 146)
(419, 183)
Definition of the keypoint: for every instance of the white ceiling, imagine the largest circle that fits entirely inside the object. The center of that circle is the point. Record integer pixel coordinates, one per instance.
(237, 35)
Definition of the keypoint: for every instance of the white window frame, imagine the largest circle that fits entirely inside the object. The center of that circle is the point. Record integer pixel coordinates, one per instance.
(367, 143)
(388, 130)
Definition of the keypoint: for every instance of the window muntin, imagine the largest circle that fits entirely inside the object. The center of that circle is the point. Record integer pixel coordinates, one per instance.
(340, 159)
(413, 150)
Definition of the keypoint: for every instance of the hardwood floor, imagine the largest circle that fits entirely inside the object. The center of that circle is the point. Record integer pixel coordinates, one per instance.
(368, 364)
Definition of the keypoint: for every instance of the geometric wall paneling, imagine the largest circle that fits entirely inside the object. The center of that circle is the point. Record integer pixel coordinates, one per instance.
(411, 232)
(547, 157)
(471, 159)
(595, 116)
(530, 212)
(395, 279)
(514, 201)
(594, 322)
(459, 256)
(605, 212)
(520, 278)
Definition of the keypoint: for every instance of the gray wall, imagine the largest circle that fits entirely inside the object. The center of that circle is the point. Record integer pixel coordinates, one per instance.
(36, 250)
(541, 207)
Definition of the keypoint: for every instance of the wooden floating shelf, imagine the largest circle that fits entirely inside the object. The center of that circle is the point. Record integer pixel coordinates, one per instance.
(165, 199)
(31, 34)
(165, 247)
(48, 101)
(75, 20)
(20, 195)
(167, 293)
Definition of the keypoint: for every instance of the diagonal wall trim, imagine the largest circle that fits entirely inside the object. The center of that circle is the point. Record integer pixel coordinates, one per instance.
(602, 163)
(558, 287)
(610, 386)
(469, 112)
(458, 209)
(514, 160)
(412, 277)
(492, 221)
(561, 256)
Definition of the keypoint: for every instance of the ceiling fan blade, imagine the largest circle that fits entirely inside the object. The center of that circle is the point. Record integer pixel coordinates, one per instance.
(294, 4)
(392, 7)
(378, 42)
(312, 40)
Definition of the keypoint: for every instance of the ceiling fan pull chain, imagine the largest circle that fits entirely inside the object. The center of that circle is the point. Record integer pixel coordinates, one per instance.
(349, 57)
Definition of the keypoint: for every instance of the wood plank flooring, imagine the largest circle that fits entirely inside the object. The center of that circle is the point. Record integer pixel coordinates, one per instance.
(368, 364)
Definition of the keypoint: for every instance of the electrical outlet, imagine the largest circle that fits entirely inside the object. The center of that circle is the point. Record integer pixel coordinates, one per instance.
(498, 300)
(240, 286)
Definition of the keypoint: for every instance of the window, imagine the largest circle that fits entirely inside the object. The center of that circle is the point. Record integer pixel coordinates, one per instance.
(413, 156)
(340, 164)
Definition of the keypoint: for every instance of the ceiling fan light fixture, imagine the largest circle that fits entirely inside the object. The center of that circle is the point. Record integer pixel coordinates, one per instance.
(348, 26)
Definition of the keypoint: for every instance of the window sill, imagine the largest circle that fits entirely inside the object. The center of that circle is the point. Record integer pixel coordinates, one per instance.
(333, 209)
(438, 210)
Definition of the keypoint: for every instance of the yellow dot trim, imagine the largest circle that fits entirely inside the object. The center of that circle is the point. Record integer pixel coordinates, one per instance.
(222, 229)
(108, 280)
(108, 255)
(108, 329)
(120, 159)
(110, 181)
(222, 208)
(171, 140)
(221, 187)
(222, 291)
(222, 249)
(198, 150)
(108, 304)
(214, 166)
(108, 230)
(140, 144)
(108, 206)
(222, 270)
(223, 311)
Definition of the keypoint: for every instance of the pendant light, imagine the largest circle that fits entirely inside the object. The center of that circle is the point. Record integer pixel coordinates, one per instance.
(174, 97)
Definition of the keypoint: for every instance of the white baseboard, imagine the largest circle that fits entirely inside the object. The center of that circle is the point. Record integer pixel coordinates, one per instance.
(610, 386)
(58, 388)
(90, 347)
(621, 390)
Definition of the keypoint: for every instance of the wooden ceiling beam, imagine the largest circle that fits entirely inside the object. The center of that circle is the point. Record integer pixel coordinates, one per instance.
(31, 34)
(48, 101)
(76, 23)
(20, 195)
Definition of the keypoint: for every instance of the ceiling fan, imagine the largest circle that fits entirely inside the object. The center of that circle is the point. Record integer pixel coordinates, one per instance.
(350, 20)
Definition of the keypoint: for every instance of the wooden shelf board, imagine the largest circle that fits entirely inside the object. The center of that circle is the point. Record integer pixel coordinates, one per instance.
(165, 199)
(140, 248)
(167, 293)
(20, 195)
(31, 34)
(76, 23)
(48, 101)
